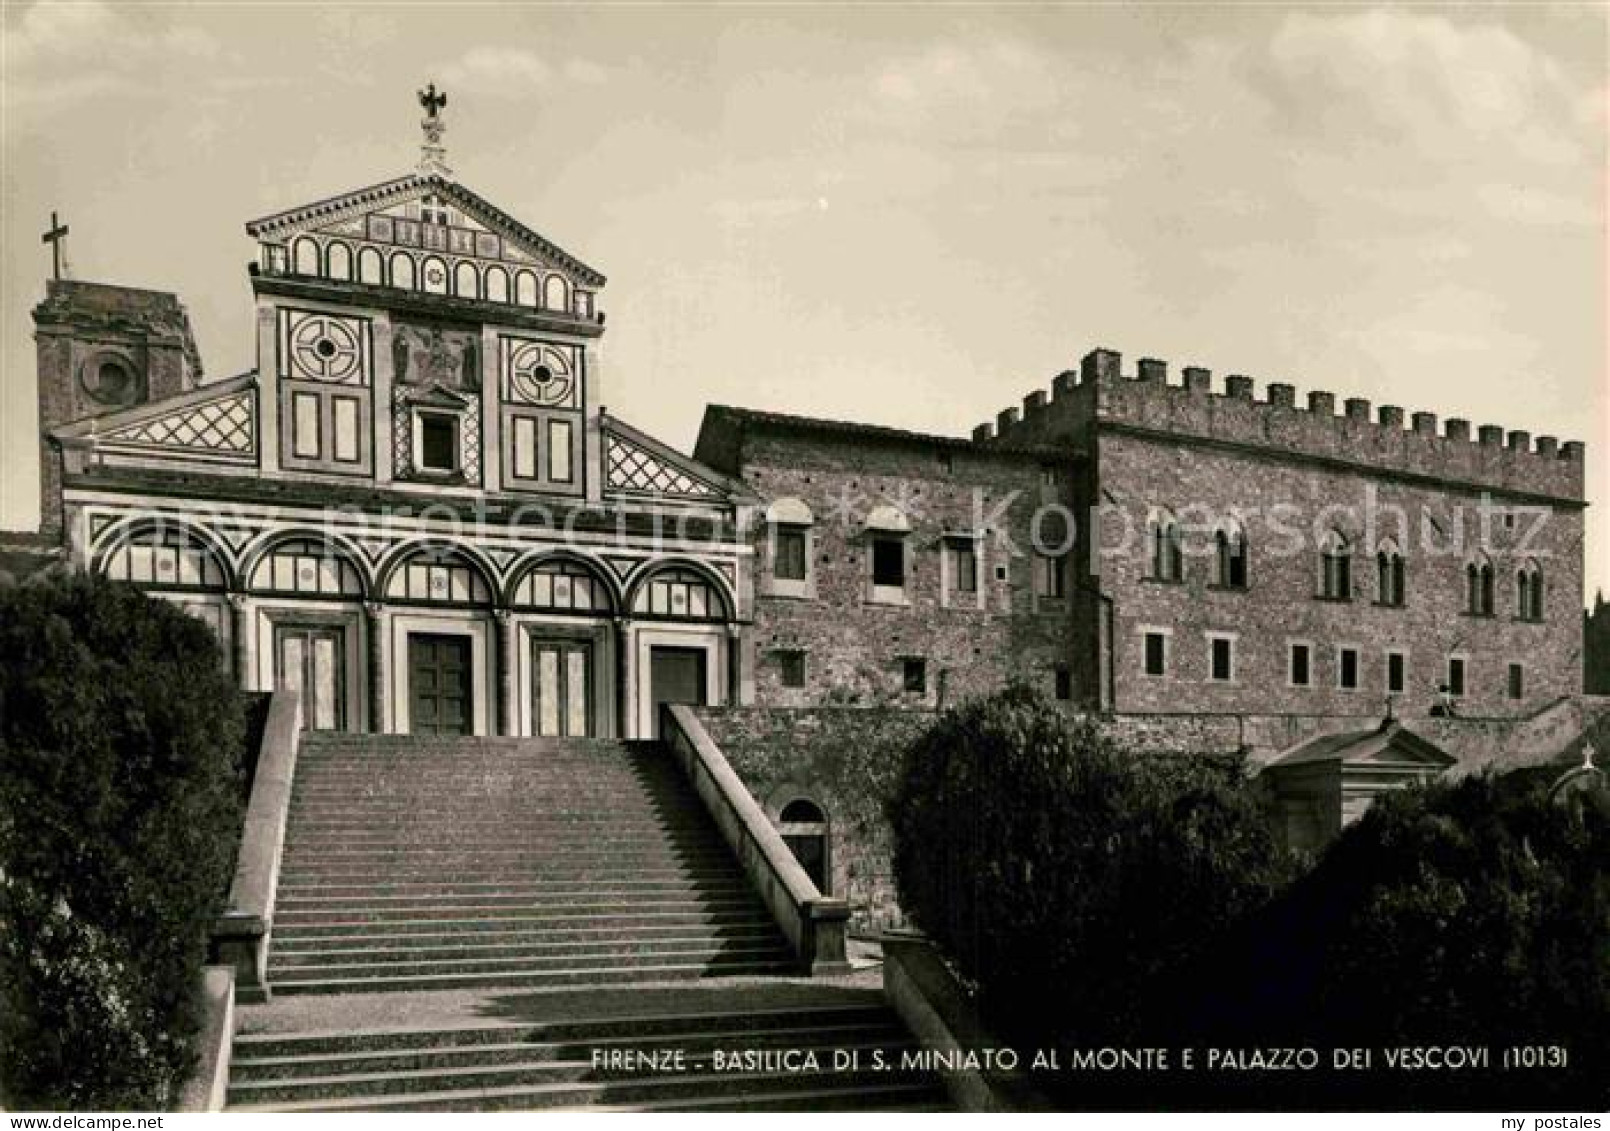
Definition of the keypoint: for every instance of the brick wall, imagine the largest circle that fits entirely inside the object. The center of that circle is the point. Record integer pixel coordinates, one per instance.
(855, 647)
(847, 761)
(1285, 507)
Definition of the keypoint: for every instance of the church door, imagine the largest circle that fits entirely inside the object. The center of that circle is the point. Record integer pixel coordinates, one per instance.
(677, 675)
(441, 694)
(562, 688)
(310, 660)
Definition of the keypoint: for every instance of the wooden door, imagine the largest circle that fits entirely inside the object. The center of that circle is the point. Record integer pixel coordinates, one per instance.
(441, 693)
(311, 660)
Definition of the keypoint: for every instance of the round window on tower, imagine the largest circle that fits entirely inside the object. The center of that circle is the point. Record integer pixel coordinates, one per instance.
(109, 380)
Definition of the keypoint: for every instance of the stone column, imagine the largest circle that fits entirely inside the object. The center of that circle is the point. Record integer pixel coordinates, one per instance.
(376, 623)
(624, 696)
(508, 659)
(240, 623)
(735, 665)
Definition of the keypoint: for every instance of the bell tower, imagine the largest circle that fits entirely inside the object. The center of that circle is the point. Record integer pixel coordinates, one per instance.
(102, 348)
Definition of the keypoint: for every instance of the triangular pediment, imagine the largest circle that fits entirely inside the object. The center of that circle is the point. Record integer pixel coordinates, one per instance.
(394, 213)
(1390, 745)
(216, 421)
(436, 396)
(637, 464)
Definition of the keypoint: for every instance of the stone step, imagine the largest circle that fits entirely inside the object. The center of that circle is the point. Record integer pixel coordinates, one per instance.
(385, 887)
(296, 967)
(382, 875)
(598, 974)
(421, 911)
(741, 1019)
(253, 1069)
(547, 931)
(498, 901)
(533, 920)
(309, 952)
(557, 859)
(542, 1073)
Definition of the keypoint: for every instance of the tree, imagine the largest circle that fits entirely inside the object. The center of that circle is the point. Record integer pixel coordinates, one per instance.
(120, 742)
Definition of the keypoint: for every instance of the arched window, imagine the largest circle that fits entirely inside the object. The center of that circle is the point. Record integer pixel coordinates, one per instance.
(803, 826)
(402, 270)
(165, 556)
(440, 576)
(680, 593)
(1479, 587)
(1230, 546)
(1529, 591)
(306, 256)
(466, 280)
(1163, 537)
(563, 585)
(1389, 574)
(371, 268)
(556, 293)
(338, 260)
(525, 288)
(497, 284)
(1335, 567)
(307, 567)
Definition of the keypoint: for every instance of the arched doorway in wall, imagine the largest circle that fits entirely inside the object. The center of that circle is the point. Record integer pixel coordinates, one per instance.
(804, 829)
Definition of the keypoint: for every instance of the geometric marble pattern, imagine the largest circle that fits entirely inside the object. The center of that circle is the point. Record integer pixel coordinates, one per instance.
(224, 425)
(632, 468)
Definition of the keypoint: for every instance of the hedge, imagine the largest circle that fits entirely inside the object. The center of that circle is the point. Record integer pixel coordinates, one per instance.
(1061, 875)
(120, 741)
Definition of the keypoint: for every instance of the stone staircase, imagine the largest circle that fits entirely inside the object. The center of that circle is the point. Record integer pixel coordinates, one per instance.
(658, 1062)
(505, 862)
(500, 924)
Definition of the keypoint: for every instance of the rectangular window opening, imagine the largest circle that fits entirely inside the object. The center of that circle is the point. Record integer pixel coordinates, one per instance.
(791, 667)
(1222, 662)
(1300, 657)
(789, 562)
(1156, 653)
(1394, 672)
(914, 676)
(438, 442)
(889, 562)
(1347, 669)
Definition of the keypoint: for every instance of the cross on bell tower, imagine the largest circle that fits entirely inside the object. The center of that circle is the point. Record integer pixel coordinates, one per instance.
(432, 153)
(56, 237)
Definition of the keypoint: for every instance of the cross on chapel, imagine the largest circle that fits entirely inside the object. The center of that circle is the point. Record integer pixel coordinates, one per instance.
(56, 237)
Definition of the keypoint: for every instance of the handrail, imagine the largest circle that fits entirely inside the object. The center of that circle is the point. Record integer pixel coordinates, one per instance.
(813, 923)
(240, 936)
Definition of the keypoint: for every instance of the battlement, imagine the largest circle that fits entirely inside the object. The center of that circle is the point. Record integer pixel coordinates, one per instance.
(1100, 394)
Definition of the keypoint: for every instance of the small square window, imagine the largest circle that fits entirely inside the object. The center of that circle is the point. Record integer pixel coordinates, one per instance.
(1300, 662)
(1156, 653)
(1222, 659)
(1517, 681)
(889, 562)
(438, 442)
(789, 564)
(914, 674)
(1347, 669)
(1394, 672)
(791, 667)
(1064, 684)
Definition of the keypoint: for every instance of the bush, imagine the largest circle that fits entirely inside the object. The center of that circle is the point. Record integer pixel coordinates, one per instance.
(1472, 913)
(1063, 876)
(120, 738)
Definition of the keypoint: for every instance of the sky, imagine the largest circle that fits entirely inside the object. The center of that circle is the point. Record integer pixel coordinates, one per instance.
(909, 215)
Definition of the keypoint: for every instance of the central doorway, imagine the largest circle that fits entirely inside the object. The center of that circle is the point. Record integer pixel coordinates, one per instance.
(676, 675)
(310, 660)
(440, 685)
(562, 681)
